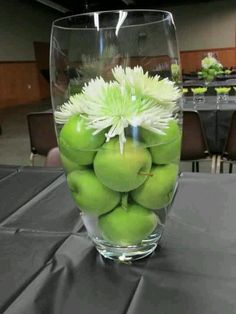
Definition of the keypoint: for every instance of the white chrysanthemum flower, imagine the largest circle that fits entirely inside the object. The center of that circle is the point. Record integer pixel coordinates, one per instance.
(208, 62)
(113, 107)
(68, 109)
(95, 88)
(163, 91)
(134, 99)
(133, 79)
(154, 119)
(117, 108)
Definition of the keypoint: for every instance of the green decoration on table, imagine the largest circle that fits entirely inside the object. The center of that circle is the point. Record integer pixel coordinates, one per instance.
(199, 90)
(222, 90)
(210, 68)
(227, 72)
(97, 125)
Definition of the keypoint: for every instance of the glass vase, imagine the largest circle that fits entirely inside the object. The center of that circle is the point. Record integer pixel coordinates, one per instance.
(198, 99)
(222, 98)
(117, 112)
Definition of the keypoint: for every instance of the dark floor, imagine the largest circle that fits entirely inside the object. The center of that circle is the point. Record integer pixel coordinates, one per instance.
(14, 140)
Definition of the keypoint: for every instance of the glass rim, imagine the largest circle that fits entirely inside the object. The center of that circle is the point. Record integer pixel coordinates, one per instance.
(168, 16)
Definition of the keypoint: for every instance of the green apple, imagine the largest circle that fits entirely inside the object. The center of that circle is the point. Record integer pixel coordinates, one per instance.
(128, 225)
(91, 196)
(70, 165)
(164, 148)
(157, 190)
(122, 171)
(77, 142)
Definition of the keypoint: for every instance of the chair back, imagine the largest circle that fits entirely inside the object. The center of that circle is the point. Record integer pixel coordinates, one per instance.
(194, 145)
(230, 145)
(41, 132)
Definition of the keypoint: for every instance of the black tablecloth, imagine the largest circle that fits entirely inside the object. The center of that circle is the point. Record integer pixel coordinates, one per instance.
(222, 79)
(48, 265)
(7, 170)
(211, 86)
(215, 119)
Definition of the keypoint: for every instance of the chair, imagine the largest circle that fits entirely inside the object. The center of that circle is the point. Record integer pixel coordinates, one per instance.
(194, 145)
(53, 158)
(41, 133)
(229, 152)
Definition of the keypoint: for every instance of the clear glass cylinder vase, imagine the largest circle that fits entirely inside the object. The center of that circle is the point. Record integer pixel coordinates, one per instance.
(117, 108)
(222, 98)
(198, 99)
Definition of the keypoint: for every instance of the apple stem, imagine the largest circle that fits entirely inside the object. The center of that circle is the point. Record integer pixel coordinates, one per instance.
(124, 200)
(145, 174)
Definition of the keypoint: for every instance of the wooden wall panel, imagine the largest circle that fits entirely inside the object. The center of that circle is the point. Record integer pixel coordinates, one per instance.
(41, 51)
(191, 60)
(44, 87)
(19, 83)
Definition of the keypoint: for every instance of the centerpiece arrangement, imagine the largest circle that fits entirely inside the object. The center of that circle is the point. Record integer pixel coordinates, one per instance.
(119, 136)
(199, 95)
(222, 94)
(210, 68)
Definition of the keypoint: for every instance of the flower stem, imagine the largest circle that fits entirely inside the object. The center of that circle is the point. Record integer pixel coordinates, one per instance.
(124, 200)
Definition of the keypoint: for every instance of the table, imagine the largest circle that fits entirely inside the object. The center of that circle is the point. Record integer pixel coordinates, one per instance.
(215, 119)
(49, 265)
(211, 85)
(219, 78)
